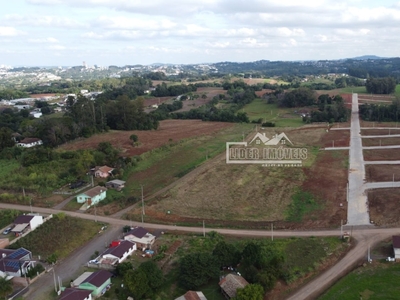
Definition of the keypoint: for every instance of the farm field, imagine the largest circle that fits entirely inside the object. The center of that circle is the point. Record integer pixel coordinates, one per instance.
(254, 196)
(282, 117)
(384, 206)
(169, 130)
(374, 281)
(381, 154)
(382, 172)
(378, 124)
(209, 92)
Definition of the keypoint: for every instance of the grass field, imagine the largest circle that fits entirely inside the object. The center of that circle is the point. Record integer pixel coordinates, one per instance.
(282, 117)
(69, 232)
(7, 167)
(375, 281)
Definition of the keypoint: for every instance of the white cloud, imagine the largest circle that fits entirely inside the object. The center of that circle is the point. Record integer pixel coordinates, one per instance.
(43, 40)
(9, 31)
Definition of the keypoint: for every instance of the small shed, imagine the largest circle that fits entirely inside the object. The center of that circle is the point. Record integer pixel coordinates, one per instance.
(116, 184)
(230, 283)
(396, 246)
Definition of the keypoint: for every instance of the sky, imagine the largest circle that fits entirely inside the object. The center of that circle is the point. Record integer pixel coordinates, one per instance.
(128, 32)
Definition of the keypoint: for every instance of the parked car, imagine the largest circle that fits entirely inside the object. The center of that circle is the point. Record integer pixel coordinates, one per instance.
(77, 184)
(7, 230)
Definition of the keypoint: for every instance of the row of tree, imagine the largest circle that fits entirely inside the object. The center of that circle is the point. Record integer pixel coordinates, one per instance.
(162, 90)
(330, 109)
(386, 85)
(381, 112)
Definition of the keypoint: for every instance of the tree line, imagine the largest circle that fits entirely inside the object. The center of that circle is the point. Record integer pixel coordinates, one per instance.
(386, 85)
(380, 112)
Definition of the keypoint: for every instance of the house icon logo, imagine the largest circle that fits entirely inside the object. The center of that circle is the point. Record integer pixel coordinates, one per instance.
(277, 151)
(262, 139)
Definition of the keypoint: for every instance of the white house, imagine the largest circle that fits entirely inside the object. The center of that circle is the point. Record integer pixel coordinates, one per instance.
(118, 252)
(141, 237)
(396, 246)
(30, 142)
(15, 262)
(29, 220)
(36, 114)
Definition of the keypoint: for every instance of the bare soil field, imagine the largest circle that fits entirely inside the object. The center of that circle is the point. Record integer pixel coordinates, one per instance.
(382, 172)
(255, 196)
(156, 100)
(380, 131)
(210, 92)
(169, 130)
(381, 154)
(41, 95)
(369, 97)
(379, 124)
(381, 142)
(384, 206)
(336, 138)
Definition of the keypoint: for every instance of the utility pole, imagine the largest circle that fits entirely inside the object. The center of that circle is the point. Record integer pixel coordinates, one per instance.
(341, 229)
(272, 231)
(95, 213)
(143, 213)
(347, 193)
(204, 230)
(30, 204)
(54, 276)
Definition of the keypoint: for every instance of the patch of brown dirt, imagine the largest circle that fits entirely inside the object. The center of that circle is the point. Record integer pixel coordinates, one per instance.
(381, 154)
(381, 141)
(382, 172)
(168, 130)
(384, 206)
(336, 138)
(380, 131)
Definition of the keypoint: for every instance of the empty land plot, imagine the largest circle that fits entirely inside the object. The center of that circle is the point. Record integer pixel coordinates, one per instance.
(380, 142)
(252, 196)
(380, 131)
(282, 117)
(381, 154)
(379, 124)
(384, 206)
(382, 172)
(169, 130)
(336, 138)
(208, 92)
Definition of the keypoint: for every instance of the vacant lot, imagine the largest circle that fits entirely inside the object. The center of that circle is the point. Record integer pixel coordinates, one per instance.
(374, 281)
(169, 130)
(384, 206)
(254, 196)
(380, 131)
(282, 117)
(336, 138)
(60, 235)
(163, 166)
(381, 142)
(381, 154)
(382, 172)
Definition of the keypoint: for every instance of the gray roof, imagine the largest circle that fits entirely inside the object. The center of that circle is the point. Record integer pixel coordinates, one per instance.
(117, 181)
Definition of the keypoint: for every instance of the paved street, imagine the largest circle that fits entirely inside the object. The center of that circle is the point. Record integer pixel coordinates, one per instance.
(357, 212)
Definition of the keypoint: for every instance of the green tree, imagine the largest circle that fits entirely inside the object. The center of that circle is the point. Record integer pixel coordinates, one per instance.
(153, 273)
(123, 268)
(197, 269)
(134, 138)
(6, 138)
(226, 254)
(6, 287)
(137, 283)
(250, 292)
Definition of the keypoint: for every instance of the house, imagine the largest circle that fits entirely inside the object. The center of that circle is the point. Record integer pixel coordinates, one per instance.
(116, 184)
(279, 138)
(26, 222)
(141, 237)
(92, 196)
(96, 282)
(33, 220)
(30, 142)
(75, 294)
(118, 252)
(36, 114)
(103, 172)
(15, 262)
(191, 295)
(396, 246)
(230, 283)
